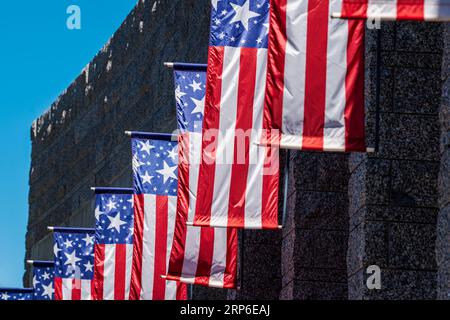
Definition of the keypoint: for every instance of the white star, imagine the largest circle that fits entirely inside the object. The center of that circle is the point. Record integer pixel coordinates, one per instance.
(56, 249)
(35, 282)
(46, 276)
(146, 178)
(115, 222)
(111, 205)
(196, 86)
(98, 213)
(266, 25)
(172, 154)
(146, 146)
(68, 243)
(89, 240)
(48, 290)
(243, 14)
(72, 259)
(89, 266)
(5, 296)
(179, 94)
(214, 4)
(222, 36)
(199, 105)
(168, 172)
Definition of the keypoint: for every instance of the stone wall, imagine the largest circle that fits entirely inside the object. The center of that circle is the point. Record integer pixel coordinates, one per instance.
(443, 231)
(393, 194)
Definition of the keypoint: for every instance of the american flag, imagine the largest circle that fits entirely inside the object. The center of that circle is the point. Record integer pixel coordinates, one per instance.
(155, 161)
(43, 273)
(419, 10)
(238, 180)
(315, 87)
(74, 263)
(200, 255)
(7, 294)
(113, 243)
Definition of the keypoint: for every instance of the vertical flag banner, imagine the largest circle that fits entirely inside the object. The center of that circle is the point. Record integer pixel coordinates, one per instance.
(113, 243)
(200, 255)
(43, 274)
(15, 294)
(74, 263)
(238, 180)
(418, 10)
(315, 82)
(155, 162)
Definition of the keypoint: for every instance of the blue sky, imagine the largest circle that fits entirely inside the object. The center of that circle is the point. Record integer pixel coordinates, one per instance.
(39, 58)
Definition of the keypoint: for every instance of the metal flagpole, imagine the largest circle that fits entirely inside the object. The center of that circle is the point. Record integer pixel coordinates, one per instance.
(286, 186)
(378, 91)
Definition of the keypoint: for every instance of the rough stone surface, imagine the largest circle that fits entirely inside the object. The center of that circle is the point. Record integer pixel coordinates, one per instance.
(344, 212)
(393, 193)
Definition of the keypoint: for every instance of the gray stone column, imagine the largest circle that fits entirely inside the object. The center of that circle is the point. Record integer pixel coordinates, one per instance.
(316, 233)
(443, 229)
(393, 194)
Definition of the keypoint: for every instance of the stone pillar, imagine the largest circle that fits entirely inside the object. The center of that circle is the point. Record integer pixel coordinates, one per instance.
(316, 233)
(443, 229)
(393, 195)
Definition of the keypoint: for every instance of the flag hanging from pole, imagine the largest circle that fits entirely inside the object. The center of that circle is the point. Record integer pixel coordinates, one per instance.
(417, 10)
(315, 82)
(155, 160)
(10, 294)
(43, 273)
(238, 180)
(74, 263)
(113, 243)
(200, 255)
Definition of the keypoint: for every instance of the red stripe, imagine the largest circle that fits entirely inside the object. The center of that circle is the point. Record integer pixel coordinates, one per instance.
(315, 74)
(354, 8)
(209, 140)
(270, 187)
(161, 225)
(179, 239)
(76, 289)
(58, 288)
(136, 272)
(120, 271)
(273, 109)
(99, 272)
(354, 88)
(410, 10)
(229, 279)
(181, 291)
(205, 256)
(244, 124)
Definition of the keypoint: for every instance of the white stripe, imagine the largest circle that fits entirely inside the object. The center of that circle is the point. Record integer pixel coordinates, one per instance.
(86, 289)
(253, 197)
(385, 9)
(171, 286)
(437, 10)
(335, 97)
(195, 151)
(191, 252)
(109, 272)
(295, 67)
(225, 141)
(67, 289)
(148, 247)
(219, 260)
(129, 248)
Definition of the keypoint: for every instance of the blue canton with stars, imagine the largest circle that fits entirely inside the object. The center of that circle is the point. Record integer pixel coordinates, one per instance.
(43, 281)
(155, 167)
(16, 294)
(74, 255)
(240, 23)
(114, 219)
(190, 90)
